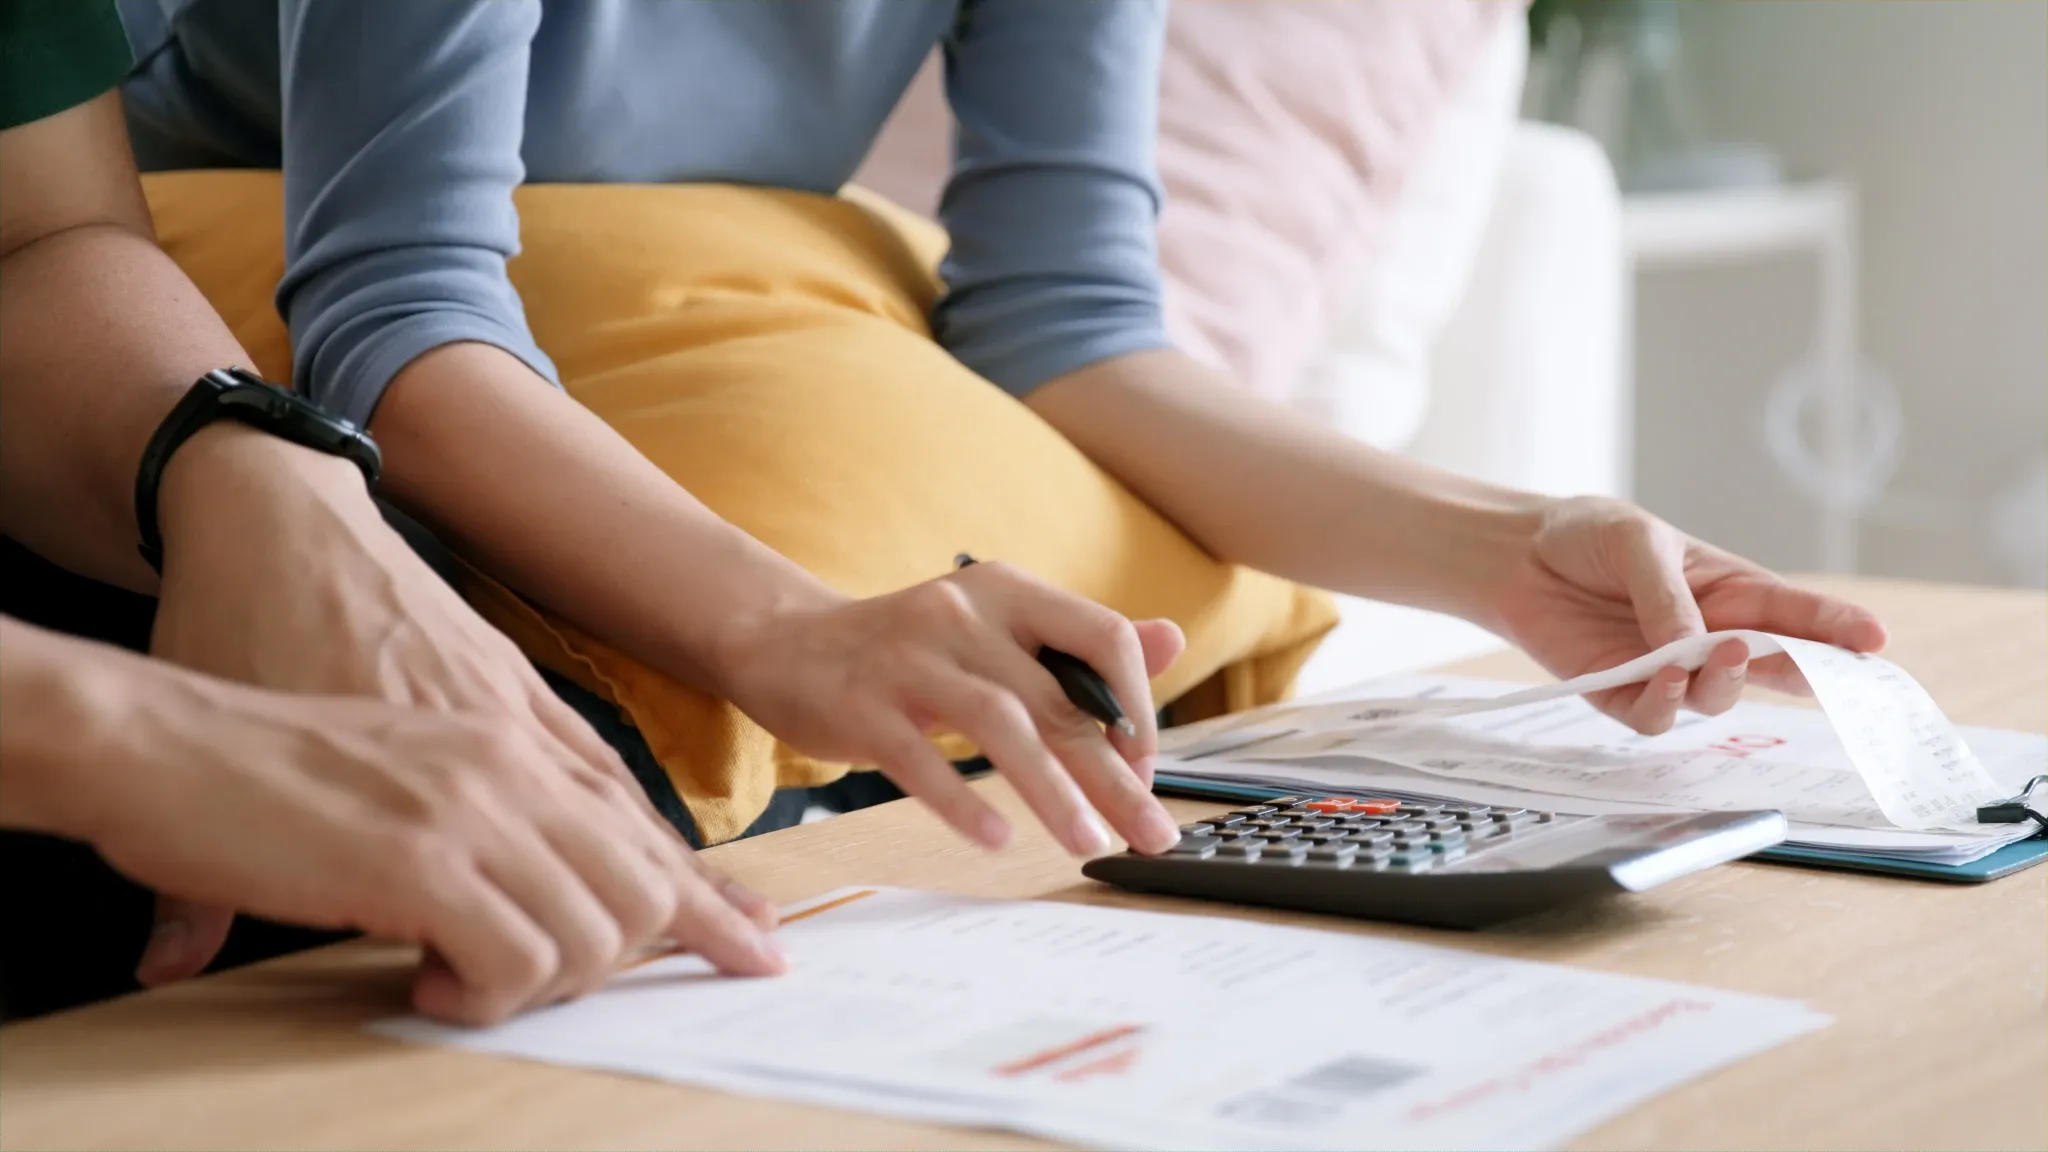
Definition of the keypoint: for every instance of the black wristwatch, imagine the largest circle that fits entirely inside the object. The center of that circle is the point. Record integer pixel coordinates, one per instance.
(236, 394)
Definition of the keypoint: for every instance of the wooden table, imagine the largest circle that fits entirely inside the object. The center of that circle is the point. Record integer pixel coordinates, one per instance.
(1939, 993)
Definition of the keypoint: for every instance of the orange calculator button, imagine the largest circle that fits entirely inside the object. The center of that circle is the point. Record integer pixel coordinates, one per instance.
(1333, 804)
(1379, 807)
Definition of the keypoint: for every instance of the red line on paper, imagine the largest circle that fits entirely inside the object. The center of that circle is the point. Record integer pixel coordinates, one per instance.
(1114, 1064)
(1093, 1040)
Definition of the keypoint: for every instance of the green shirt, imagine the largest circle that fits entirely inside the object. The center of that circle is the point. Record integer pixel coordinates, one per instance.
(57, 54)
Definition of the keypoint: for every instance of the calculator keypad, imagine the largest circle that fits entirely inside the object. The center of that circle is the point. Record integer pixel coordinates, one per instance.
(1349, 832)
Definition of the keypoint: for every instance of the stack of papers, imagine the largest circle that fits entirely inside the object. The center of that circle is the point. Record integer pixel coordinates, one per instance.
(1113, 1028)
(1877, 770)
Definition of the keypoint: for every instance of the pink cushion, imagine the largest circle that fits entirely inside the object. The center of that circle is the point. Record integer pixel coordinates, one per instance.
(1286, 130)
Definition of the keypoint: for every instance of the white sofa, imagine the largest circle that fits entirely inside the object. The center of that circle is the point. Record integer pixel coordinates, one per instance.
(1491, 343)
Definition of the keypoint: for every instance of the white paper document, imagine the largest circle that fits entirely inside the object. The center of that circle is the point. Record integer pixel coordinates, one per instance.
(1877, 756)
(1108, 1027)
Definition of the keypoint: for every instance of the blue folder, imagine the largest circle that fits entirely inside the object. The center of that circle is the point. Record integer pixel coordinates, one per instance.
(2003, 862)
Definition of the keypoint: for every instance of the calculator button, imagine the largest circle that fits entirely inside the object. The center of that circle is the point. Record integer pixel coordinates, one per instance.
(1251, 810)
(1225, 820)
(1333, 852)
(1508, 813)
(1197, 829)
(1274, 835)
(1334, 804)
(1310, 823)
(1284, 801)
(1373, 837)
(1417, 809)
(1282, 859)
(1324, 836)
(1545, 817)
(1241, 849)
(1411, 861)
(1359, 823)
(1378, 807)
(1200, 847)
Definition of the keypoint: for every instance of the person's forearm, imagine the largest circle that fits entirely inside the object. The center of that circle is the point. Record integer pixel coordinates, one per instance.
(538, 491)
(1258, 485)
(100, 334)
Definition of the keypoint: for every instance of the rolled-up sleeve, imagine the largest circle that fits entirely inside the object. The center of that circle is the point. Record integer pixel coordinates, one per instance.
(402, 125)
(1054, 198)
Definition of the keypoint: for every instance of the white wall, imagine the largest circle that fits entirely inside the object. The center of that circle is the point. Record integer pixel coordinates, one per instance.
(1939, 110)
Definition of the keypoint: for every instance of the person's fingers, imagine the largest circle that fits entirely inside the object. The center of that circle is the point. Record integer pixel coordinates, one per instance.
(1615, 702)
(573, 732)
(1717, 685)
(1105, 774)
(1042, 615)
(1779, 674)
(1653, 709)
(1772, 605)
(566, 737)
(183, 940)
(486, 959)
(1162, 641)
(1000, 726)
(1652, 565)
(588, 942)
(611, 854)
(707, 923)
(748, 902)
(908, 759)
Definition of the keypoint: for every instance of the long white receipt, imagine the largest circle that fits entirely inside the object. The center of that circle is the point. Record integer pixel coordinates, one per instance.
(1915, 766)
(1113, 1028)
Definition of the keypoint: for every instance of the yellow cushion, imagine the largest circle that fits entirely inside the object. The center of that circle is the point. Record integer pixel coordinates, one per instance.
(769, 350)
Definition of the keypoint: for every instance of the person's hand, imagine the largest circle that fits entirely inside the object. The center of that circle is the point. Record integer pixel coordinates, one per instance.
(867, 681)
(528, 881)
(1600, 582)
(280, 572)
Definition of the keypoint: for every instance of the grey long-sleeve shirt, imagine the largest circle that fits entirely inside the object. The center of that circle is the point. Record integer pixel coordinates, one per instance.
(402, 127)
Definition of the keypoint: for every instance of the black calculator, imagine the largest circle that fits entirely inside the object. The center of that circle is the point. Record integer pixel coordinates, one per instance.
(1447, 865)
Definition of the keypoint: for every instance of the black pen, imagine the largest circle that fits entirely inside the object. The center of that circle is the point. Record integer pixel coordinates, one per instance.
(1082, 684)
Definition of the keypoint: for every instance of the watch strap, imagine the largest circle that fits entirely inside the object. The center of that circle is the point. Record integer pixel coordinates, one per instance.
(246, 398)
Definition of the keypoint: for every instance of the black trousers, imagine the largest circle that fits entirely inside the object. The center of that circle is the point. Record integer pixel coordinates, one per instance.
(74, 928)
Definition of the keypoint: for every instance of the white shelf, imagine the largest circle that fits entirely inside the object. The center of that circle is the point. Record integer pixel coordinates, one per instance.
(1682, 229)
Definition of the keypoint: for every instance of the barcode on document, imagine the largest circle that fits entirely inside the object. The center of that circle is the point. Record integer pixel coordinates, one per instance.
(1353, 1077)
(1319, 1093)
